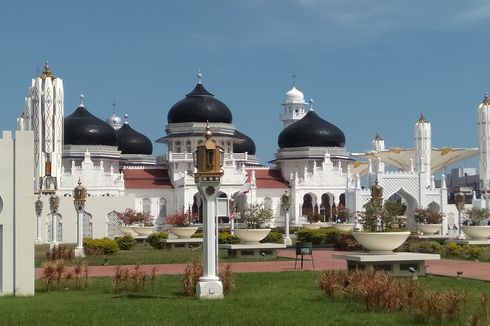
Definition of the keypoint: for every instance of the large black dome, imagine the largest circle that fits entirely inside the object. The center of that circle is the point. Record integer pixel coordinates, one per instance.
(312, 131)
(83, 128)
(132, 142)
(199, 106)
(242, 143)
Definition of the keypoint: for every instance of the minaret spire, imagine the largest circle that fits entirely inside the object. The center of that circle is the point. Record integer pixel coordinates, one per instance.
(199, 76)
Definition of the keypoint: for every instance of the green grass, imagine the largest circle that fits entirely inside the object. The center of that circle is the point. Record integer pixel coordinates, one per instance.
(283, 298)
(144, 255)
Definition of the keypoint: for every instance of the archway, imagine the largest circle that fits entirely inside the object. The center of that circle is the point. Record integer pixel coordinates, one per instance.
(327, 203)
(409, 203)
(222, 209)
(308, 204)
(197, 207)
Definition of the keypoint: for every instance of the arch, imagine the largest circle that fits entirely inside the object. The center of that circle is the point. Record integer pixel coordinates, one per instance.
(188, 146)
(326, 205)
(146, 205)
(239, 202)
(87, 227)
(308, 204)
(222, 208)
(411, 204)
(162, 211)
(59, 227)
(267, 203)
(197, 206)
(434, 206)
(112, 225)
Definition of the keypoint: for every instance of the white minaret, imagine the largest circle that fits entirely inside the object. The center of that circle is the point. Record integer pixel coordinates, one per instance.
(483, 123)
(43, 114)
(378, 143)
(423, 147)
(293, 106)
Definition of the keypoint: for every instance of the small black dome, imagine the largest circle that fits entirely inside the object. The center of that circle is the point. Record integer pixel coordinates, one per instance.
(312, 131)
(132, 142)
(199, 106)
(83, 128)
(242, 143)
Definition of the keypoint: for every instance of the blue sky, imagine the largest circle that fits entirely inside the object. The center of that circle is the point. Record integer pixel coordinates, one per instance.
(369, 65)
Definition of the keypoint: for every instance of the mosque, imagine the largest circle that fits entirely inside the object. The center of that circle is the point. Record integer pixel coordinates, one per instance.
(117, 166)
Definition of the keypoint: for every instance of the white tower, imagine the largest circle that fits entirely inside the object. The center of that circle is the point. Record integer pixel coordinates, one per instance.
(378, 143)
(483, 123)
(43, 114)
(423, 148)
(294, 107)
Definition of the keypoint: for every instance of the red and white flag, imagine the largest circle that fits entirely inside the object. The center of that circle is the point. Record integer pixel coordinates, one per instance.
(246, 186)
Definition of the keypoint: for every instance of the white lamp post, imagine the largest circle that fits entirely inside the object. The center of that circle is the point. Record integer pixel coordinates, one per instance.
(286, 204)
(208, 161)
(79, 197)
(460, 201)
(38, 207)
(54, 204)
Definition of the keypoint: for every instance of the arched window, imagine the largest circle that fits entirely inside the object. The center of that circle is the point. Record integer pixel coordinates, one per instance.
(162, 211)
(267, 203)
(178, 147)
(307, 207)
(188, 147)
(87, 225)
(146, 205)
(112, 225)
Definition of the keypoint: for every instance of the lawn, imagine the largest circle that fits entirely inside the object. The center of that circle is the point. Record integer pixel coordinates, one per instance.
(282, 298)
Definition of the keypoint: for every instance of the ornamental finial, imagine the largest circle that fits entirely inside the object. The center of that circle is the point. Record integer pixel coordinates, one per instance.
(311, 104)
(208, 134)
(46, 72)
(485, 99)
(82, 97)
(199, 76)
(377, 137)
(114, 108)
(294, 77)
(125, 118)
(422, 118)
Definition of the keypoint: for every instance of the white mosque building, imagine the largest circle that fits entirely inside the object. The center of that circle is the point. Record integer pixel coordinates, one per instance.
(116, 163)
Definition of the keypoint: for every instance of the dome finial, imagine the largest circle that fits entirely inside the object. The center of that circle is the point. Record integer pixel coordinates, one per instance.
(311, 104)
(114, 108)
(294, 77)
(46, 72)
(82, 97)
(485, 99)
(199, 76)
(125, 118)
(377, 137)
(207, 133)
(422, 118)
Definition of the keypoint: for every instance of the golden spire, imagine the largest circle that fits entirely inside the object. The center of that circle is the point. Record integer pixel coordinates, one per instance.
(422, 118)
(46, 72)
(485, 100)
(208, 134)
(377, 137)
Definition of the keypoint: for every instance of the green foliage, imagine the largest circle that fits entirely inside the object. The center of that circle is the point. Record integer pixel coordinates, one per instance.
(224, 237)
(273, 237)
(427, 216)
(477, 215)
(104, 246)
(395, 208)
(376, 217)
(255, 216)
(322, 236)
(198, 234)
(313, 217)
(126, 242)
(155, 238)
(346, 242)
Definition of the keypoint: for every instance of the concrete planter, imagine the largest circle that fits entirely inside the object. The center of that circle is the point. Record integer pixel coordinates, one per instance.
(381, 242)
(143, 230)
(428, 229)
(311, 226)
(128, 230)
(477, 232)
(346, 227)
(251, 236)
(184, 232)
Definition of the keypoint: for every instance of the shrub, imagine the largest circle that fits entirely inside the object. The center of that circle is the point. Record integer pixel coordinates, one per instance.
(224, 237)
(126, 242)
(127, 280)
(198, 234)
(104, 246)
(155, 238)
(192, 273)
(346, 242)
(60, 252)
(227, 278)
(273, 237)
(55, 275)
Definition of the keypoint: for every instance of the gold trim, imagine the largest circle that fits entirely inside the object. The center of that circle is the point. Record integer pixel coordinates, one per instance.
(485, 100)
(46, 72)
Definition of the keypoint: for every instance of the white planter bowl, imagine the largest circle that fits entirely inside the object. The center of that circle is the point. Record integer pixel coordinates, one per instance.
(184, 232)
(143, 230)
(381, 242)
(477, 232)
(251, 236)
(429, 228)
(346, 227)
(128, 230)
(311, 226)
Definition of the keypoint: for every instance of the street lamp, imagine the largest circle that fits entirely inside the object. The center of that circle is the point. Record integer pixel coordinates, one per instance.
(286, 204)
(208, 162)
(54, 204)
(79, 197)
(38, 208)
(460, 201)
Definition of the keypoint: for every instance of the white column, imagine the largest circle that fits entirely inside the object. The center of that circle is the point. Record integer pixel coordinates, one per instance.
(287, 239)
(54, 231)
(39, 240)
(79, 252)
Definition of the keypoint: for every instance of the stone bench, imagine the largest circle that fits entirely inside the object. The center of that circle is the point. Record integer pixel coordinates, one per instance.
(253, 250)
(182, 243)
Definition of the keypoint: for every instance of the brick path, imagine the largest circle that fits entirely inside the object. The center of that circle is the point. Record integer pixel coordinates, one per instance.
(323, 260)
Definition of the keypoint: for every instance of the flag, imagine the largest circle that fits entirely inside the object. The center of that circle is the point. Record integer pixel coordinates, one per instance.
(246, 186)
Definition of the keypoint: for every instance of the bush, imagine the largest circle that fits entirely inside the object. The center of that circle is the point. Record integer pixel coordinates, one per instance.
(273, 237)
(155, 238)
(104, 246)
(346, 242)
(224, 237)
(126, 242)
(323, 236)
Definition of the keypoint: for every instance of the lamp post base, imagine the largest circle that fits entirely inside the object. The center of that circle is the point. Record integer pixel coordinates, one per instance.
(79, 252)
(288, 241)
(209, 290)
(38, 241)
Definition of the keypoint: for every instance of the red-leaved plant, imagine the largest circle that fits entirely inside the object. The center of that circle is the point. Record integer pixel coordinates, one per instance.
(427, 216)
(131, 216)
(181, 219)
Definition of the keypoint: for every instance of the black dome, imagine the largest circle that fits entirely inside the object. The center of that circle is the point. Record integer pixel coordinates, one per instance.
(132, 142)
(199, 106)
(242, 143)
(313, 131)
(83, 128)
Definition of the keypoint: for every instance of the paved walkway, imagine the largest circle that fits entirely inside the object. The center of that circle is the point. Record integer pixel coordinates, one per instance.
(323, 260)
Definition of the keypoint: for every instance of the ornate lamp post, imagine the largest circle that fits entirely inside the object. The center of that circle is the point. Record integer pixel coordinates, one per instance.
(208, 162)
(286, 204)
(460, 201)
(79, 197)
(38, 208)
(54, 204)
